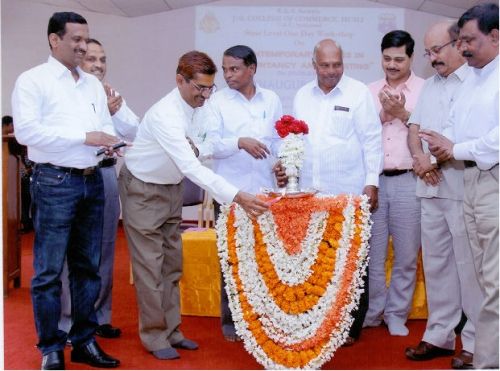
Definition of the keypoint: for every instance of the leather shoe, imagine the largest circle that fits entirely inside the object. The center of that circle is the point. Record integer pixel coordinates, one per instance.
(53, 360)
(186, 344)
(93, 355)
(108, 331)
(425, 351)
(463, 361)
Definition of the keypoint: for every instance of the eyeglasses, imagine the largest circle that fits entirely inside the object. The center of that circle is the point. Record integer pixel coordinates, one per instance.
(436, 49)
(204, 89)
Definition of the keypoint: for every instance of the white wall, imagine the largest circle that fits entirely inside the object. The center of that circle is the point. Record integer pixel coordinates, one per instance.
(142, 51)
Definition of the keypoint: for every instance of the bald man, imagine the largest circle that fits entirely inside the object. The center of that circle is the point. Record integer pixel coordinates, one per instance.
(343, 151)
(450, 277)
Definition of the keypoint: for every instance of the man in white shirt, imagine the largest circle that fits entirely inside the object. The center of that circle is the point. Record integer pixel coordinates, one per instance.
(125, 123)
(151, 193)
(243, 137)
(473, 133)
(343, 150)
(446, 251)
(60, 113)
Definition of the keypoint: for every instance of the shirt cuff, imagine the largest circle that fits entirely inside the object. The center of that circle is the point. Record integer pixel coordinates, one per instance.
(461, 152)
(372, 179)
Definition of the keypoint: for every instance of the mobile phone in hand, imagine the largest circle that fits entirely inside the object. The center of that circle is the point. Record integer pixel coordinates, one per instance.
(116, 146)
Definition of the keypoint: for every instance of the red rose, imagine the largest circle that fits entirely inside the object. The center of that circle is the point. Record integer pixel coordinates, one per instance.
(288, 124)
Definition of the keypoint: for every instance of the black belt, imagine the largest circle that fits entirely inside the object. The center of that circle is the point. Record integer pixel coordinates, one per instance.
(468, 163)
(396, 172)
(107, 162)
(72, 170)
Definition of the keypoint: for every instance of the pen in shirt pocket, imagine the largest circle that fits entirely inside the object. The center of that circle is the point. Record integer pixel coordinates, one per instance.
(93, 107)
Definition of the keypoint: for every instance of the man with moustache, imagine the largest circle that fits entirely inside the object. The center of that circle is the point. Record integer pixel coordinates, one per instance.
(472, 136)
(398, 213)
(60, 113)
(243, 137)
(125, 123)
(150, 185)
(343, 150)
(446, 251)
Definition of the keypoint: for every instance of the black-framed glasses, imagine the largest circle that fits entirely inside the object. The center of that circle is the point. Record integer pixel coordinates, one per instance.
(436, 49)
(204, 89)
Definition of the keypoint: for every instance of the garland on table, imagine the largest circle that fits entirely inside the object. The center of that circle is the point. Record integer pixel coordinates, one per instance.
(293, 276)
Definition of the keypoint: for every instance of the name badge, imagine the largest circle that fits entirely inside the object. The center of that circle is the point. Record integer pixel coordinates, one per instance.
(340, 108)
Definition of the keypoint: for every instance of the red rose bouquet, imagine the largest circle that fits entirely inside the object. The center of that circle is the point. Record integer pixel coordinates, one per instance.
(288, 124)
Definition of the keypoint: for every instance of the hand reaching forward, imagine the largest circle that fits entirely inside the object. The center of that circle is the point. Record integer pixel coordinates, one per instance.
(440, 146)
(255, 148)
(102, 139)
(251, 204)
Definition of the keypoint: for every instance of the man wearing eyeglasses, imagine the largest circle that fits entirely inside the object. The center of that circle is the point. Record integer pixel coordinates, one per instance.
(243, 137)
(473, 129)
(398, 212)
(151, 192)
(447, 258)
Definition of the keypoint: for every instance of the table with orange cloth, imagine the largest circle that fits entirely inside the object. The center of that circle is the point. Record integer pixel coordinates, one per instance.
(200, 283)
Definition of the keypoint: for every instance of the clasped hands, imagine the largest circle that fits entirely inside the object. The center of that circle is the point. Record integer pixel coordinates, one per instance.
(393, 106)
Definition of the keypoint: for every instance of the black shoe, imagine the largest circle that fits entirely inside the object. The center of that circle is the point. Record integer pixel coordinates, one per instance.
(425, 351)
(93, 355)
(108, 331)
(53, 361)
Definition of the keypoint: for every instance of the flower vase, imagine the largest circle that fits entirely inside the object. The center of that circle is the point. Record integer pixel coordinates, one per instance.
(293, 185)
(293, 179)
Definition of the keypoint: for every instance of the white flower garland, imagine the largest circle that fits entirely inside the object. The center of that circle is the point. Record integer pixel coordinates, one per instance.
(283, 328)
(293, 269)
(291, 153)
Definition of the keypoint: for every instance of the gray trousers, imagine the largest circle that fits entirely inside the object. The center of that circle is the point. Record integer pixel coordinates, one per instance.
(109, 230)
(398, 214)
(152, 214)
(481, 221)
(450, 277)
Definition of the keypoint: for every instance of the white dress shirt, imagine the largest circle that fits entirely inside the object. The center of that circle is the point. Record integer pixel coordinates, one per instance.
(343, 150)
(431, 112)
(161, 153)
(474, 117)
(234, 116)
(125, 122)
(53, 112)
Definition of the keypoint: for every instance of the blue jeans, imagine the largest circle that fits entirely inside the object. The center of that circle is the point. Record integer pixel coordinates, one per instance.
(68, 213)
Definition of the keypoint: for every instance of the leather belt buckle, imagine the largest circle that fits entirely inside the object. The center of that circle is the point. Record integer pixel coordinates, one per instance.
(89, 171)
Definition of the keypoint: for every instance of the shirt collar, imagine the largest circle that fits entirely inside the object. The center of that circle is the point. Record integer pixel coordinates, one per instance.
(408, 85)
(487, 69)
(186, 108)
(340, 86)
(60, 69)
(460, 74)
(233, 93)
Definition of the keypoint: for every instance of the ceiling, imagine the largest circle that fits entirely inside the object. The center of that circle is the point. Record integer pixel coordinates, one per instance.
(136, 8)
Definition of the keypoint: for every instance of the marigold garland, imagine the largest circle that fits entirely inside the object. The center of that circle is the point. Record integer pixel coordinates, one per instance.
(291, 319)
